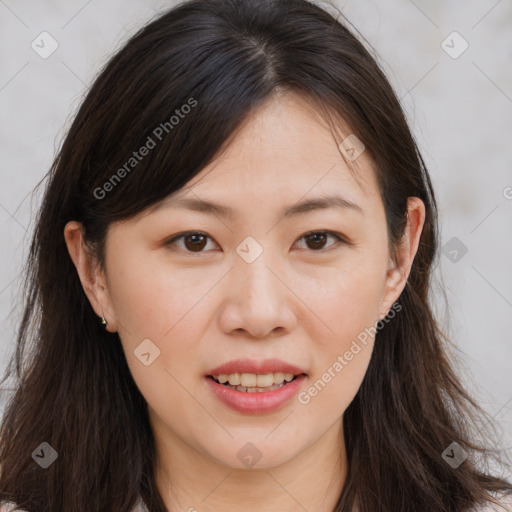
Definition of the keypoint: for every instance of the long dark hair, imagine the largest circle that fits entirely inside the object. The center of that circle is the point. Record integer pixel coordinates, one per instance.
(223, 58)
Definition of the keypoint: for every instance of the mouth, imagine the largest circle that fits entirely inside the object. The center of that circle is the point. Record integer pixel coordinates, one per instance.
(253, 382)
(250, 386)
(254, 399)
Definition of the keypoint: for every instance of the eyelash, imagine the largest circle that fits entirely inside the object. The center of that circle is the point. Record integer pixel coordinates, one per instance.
(333, 234)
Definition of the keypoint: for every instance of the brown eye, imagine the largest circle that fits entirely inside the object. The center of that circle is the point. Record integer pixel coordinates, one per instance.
(316, 240)
(193, 241)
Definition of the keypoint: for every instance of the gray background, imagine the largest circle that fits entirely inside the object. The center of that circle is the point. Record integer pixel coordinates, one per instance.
(460, 110)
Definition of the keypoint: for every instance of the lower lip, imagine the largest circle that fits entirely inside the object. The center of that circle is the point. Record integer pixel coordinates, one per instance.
(259, 402)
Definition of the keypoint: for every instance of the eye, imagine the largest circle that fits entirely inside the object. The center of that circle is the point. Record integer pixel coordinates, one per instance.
(319, 238)
(195, 241)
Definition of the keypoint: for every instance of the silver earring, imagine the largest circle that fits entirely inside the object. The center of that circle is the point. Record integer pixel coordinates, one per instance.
(104, 321)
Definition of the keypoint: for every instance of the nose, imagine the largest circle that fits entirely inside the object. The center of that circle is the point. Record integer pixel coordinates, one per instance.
(257, 301)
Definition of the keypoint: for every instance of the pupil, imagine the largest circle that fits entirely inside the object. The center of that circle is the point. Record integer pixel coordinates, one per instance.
(322, 235)
(195, 245)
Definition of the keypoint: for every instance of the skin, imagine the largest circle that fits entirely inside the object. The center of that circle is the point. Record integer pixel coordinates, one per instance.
(303, 300)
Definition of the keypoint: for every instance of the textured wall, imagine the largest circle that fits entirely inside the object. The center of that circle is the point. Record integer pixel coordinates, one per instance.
(451, 65)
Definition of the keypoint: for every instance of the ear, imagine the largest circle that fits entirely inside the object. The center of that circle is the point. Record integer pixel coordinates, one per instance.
(91, 276)
(398, 272)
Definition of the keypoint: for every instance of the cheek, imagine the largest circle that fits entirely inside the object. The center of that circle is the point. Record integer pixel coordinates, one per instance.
(152, 299)
(171, 307)
(347, 306)
(153, 302)
(345, 298)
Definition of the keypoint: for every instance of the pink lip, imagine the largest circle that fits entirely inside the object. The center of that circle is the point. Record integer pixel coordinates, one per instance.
(252, 366)
(255, 403)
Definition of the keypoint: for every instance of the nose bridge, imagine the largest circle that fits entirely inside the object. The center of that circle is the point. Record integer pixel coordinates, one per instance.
(257, 282)
(257, 297)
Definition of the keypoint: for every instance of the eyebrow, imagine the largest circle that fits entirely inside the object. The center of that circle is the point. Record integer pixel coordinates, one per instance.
(212, 208)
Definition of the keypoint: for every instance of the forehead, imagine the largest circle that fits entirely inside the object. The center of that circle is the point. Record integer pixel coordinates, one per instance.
(284, 152)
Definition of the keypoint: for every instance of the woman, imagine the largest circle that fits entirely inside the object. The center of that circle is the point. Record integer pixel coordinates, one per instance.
(227, 287)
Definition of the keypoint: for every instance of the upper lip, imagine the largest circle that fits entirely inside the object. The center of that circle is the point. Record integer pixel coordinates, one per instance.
(254, 366)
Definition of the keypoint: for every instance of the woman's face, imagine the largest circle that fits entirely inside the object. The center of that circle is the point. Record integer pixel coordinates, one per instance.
(253, 292)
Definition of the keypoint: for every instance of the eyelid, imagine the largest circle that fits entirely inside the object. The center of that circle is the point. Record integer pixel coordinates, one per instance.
(338, 236)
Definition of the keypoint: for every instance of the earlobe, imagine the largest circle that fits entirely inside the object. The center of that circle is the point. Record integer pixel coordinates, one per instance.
(91, 277)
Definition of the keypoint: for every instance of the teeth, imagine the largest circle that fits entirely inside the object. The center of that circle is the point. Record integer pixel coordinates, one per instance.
(253, 380)
(263, 381)
(255, 390)
(234, 379)
(248, 380)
